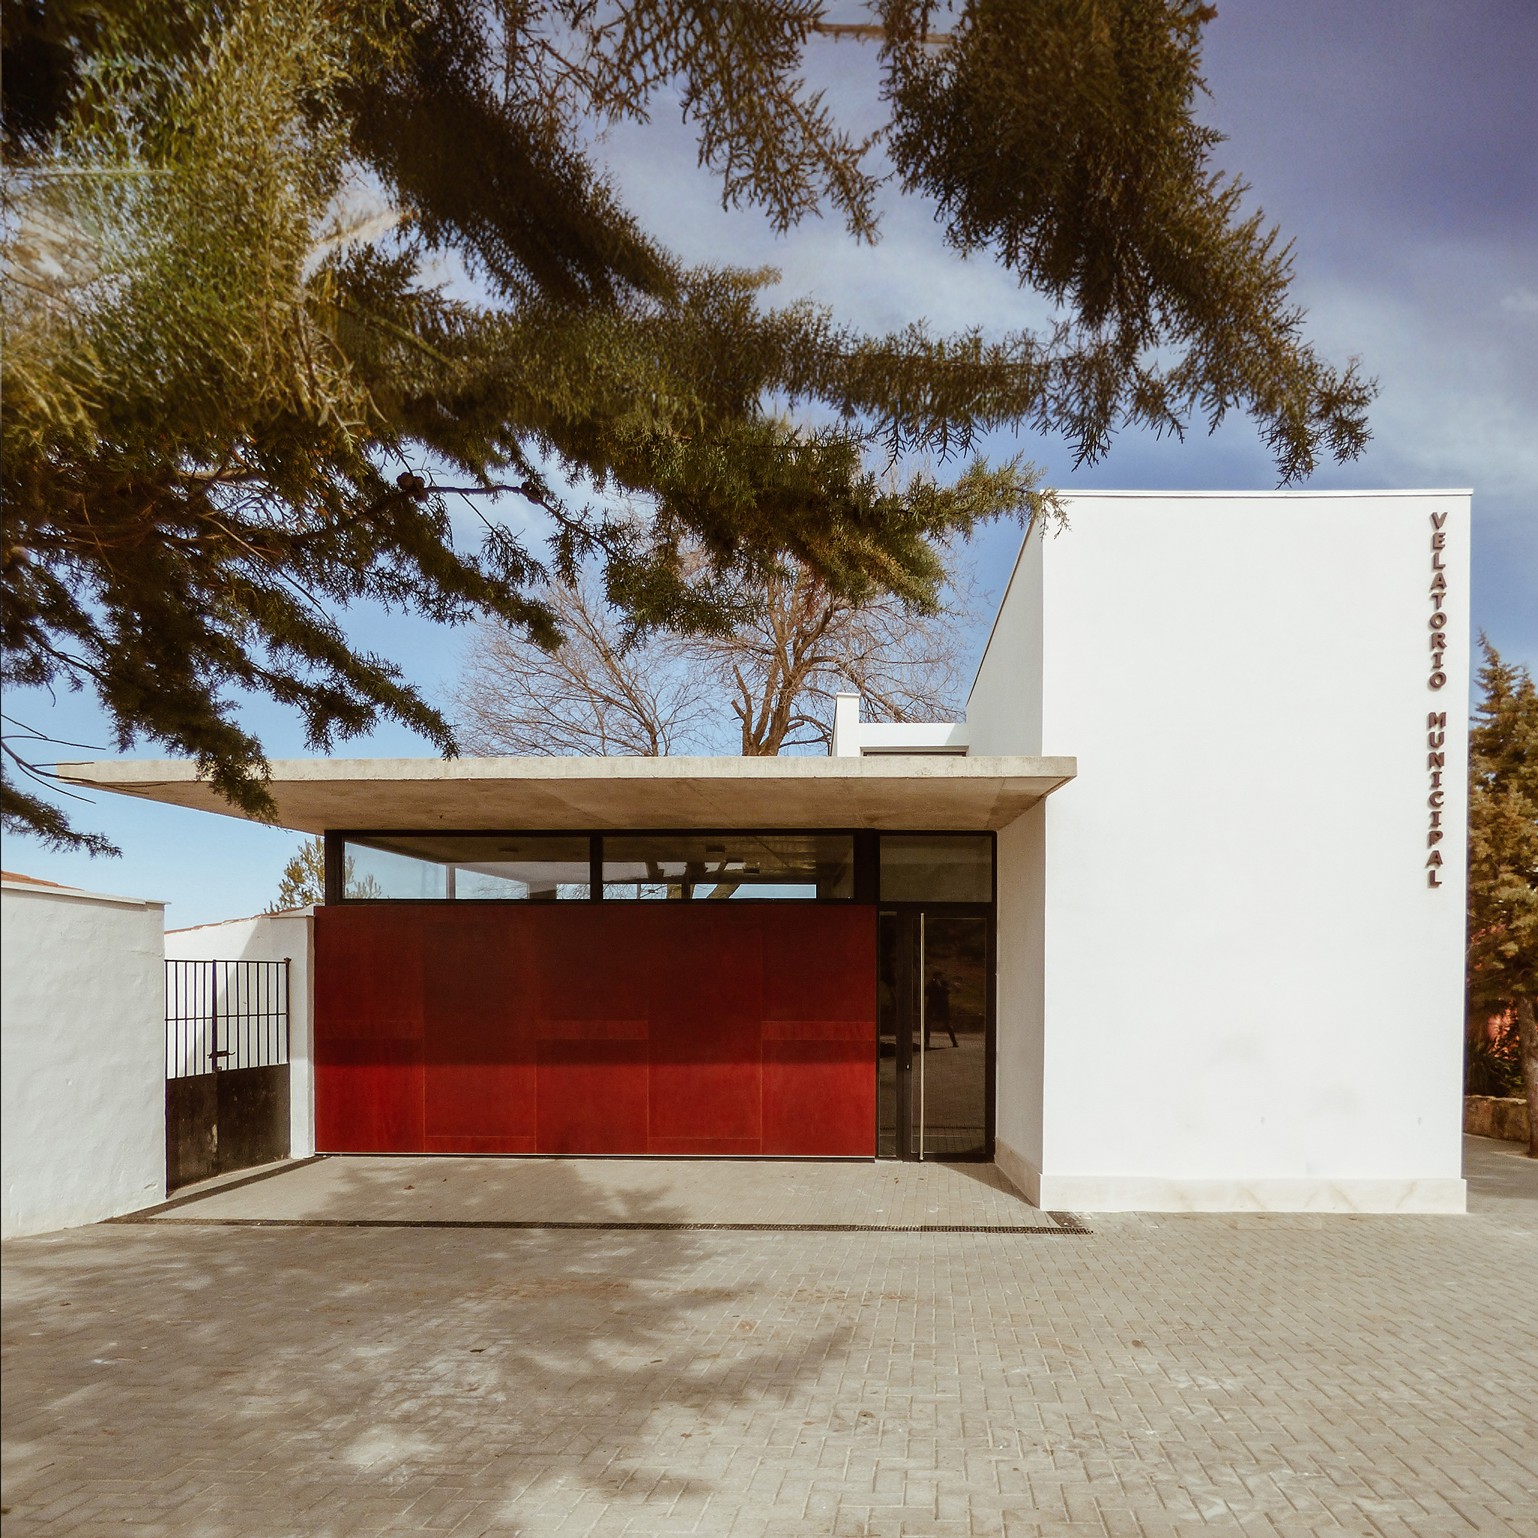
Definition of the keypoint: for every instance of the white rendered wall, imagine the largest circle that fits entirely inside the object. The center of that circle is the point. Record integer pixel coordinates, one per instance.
(854, 738)
(271, 937)
(1021, 917)
(1004, 708)
(82, 1081)
(1251, 997)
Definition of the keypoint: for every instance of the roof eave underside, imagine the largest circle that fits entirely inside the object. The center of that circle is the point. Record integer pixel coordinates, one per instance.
(891, 792)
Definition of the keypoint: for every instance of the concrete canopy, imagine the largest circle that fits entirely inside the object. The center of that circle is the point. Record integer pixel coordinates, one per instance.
(892, 792)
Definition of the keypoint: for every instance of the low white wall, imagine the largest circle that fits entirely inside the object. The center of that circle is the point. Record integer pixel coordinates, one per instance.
(82, 1072)
(271, 937)
(1253, 998)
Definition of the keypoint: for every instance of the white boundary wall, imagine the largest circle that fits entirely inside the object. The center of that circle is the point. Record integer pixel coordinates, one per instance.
(1224, 982)
(271, 937)
(82, 1086)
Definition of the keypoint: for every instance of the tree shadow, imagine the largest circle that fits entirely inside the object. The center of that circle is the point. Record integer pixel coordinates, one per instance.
(297, 1379)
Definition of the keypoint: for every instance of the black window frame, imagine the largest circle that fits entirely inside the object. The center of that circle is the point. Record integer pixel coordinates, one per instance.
(335, 862)
(867, 860)
(867, 887)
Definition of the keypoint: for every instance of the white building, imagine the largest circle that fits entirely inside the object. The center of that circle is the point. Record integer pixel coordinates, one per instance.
(1174, 921)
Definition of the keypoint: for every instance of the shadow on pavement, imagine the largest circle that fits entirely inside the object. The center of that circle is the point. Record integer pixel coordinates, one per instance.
(523, 1192)
(286, 1380)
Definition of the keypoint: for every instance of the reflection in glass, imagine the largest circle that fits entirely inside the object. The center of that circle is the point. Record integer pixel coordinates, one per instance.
(937, 867)
(380, 873)
(955, 1037)
(468, 867)
(932, 1035)
(684, 867)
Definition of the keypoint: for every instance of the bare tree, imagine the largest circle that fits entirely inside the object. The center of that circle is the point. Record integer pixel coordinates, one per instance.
(766, 686)
(594, 694)
(780, 669)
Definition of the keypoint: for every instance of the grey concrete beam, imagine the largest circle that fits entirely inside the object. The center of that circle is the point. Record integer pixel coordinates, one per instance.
(892, 791)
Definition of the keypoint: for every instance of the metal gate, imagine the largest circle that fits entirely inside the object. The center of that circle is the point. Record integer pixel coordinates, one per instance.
(227, 1105)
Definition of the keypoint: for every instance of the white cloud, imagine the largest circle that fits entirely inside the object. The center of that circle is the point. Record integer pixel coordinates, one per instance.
(1459, 392)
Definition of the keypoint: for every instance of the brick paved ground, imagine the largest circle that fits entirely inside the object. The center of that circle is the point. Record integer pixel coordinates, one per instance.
(1189, 1375)
(885, 1194)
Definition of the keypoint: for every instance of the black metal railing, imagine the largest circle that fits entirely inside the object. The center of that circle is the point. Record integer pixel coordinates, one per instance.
(225, 1014)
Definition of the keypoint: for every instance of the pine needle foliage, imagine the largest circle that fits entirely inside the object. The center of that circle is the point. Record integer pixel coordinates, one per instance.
(234, 405)
(302, 883)
(1503, 870)
(303, 880)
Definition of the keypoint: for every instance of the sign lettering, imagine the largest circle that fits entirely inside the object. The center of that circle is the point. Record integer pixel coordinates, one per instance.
(1436, 720)
(1438, 622)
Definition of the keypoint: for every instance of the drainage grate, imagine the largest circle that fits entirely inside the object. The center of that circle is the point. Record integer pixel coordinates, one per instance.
(1063, 1223)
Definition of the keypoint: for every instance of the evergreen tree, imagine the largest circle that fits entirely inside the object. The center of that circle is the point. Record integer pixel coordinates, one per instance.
(235, 401)
(1503, 865)
(303, 881)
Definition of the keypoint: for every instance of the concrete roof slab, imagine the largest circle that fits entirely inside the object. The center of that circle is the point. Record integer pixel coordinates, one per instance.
(889, 792)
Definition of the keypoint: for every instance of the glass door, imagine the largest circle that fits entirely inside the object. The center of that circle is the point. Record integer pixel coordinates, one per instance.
(934, 1009)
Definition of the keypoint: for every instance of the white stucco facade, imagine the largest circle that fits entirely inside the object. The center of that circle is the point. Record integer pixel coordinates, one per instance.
(1225, 980)
(82, 1001)
(1221, 739)
(286, 936)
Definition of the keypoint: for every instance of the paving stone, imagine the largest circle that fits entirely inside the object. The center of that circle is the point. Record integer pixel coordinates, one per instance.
(1233, 1377)
(384, 1189)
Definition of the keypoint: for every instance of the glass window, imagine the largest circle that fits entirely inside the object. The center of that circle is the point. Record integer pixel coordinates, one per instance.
(937, 867)
(376, 873)
(495, 867)
(715, 866)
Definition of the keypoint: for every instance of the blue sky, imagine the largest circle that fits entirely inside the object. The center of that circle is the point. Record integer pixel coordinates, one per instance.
(1395, 142)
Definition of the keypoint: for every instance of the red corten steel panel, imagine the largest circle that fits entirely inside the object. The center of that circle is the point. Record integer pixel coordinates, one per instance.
(368, 1097)
(819, 1047)
(608, 1028)
(368, 1030)
(825, 963)
(479, 1079)
(592, 1096)
(706, 1016)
